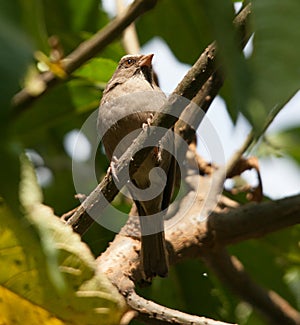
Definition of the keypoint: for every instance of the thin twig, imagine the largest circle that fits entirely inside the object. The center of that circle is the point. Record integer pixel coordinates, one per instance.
(253, 137)
(239, 153)
(159, 315)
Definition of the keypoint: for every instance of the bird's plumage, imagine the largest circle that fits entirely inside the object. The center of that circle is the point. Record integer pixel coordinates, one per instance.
(129, 100)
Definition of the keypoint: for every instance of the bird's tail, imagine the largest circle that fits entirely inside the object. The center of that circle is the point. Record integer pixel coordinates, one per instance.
(154, 255)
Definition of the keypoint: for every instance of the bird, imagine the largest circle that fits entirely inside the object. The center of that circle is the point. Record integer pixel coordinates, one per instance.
(128, 103)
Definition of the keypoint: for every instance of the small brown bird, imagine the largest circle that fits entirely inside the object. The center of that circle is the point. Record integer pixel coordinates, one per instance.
(129, 101)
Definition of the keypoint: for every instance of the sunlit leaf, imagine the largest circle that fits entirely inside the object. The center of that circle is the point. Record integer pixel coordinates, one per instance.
(292, 278)
(98, 70)
(47, 269)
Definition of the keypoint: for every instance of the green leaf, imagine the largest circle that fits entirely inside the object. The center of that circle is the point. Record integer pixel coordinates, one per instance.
(182, 24)
(98, 70)
(47, 270)
(271, 253)
(10, 171)
(15, 55)
(275, 58)
(287, 142)
(221, 15)
(60, 105)
(70, 20)
(32, 20)
(190, 26)
(292, 278)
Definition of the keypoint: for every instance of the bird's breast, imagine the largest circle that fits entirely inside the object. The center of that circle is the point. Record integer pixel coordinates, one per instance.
(121, 118)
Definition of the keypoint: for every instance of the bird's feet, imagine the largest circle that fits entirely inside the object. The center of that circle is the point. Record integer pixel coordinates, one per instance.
(113, 169)
(148, 123)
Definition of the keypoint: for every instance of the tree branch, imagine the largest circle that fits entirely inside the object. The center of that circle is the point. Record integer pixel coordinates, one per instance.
(195, 237)
(254, 220)
(190, 85)
(156, 314)
(81, 220)
(130, 39)
(86, 50)
(231, 271)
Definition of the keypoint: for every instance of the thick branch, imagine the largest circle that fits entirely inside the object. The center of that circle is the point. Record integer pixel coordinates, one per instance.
(195, 237)
(88, 49)
(230, 270)
(254, 220)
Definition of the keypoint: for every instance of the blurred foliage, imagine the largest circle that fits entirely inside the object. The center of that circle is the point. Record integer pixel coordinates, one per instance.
(285, 142)
(273, 63)
(256, 86)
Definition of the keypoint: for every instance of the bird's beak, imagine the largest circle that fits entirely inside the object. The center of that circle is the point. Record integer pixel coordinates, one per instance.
(146, 60)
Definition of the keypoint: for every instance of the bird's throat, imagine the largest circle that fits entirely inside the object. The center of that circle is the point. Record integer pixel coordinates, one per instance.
(147, 74)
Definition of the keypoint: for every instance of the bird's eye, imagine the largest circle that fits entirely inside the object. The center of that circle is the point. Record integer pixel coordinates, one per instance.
(129, 62)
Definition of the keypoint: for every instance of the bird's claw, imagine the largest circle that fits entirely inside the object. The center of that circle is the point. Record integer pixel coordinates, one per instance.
(148, 123)
(112, 168)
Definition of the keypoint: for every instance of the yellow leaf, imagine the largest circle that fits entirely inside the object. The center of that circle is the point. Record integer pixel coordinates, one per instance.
(47, 273)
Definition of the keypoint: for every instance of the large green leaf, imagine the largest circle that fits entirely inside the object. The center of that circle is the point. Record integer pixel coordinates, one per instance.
(275, 59)
(15, 54)
(47, 270)
(59, 105)
(66, 101)
(221, 15)
(274, 253)
(189, 26)
(98, 70)
(32, 19)
(182, 24)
